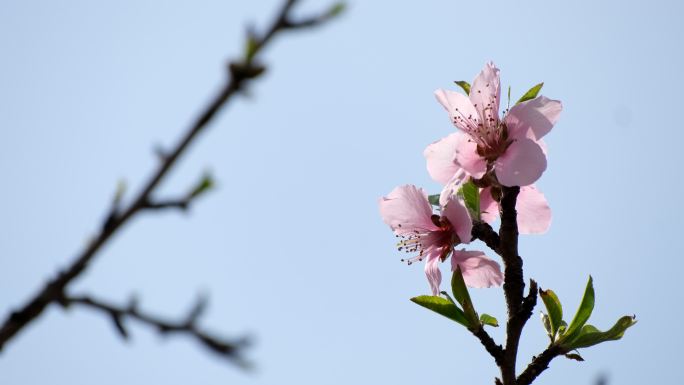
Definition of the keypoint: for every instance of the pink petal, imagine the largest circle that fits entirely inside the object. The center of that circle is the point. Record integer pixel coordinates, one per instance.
(467, 156)
(485, 92)
(534, 213)
(452, 186)
(522, 163)
(441, 159)
(533, 118)
(457, 214)
(478, 270)
(458, 106)
(489, 208)
(406, 209)
(434, 276)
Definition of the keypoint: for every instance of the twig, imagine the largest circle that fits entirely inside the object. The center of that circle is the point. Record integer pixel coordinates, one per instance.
(495, 350)
(230, 350)
(484, 232)
(241, 72)
(539, 364)
(181, 204)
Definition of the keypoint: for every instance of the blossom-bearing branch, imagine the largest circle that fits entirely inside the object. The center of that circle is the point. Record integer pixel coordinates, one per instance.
(240, 74)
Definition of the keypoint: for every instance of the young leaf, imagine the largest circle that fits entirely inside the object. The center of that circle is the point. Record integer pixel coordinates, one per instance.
(465, 85)
(590, 335)
(337, 9)
(458, 287)
(582, 315)
(204, 185)
(553, 306)
(531, 93)
(442, 306)
(471, 196)
(574, 356)
(547, 325)
(434, 199)
(486, 319)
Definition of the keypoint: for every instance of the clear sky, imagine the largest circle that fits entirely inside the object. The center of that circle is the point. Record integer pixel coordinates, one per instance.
(290, 247)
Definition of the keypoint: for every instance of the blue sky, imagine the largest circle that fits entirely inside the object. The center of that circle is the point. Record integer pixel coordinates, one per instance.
(290, 246)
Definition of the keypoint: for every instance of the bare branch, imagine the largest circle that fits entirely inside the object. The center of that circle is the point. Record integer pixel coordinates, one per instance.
(231, 350)
(539, 364)
(240, 74)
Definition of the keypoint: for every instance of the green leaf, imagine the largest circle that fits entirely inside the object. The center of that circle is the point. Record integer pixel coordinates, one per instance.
(465, 85)
(574, 356)
(471, 197)
(434, 199)
(582, 315)
(531, 94)
(547, 325)
(486, 319)
(251, 47)
(205, 184)
(442, 306)
(337, 9)
(553, 306)
(590, 335)
(458, 287)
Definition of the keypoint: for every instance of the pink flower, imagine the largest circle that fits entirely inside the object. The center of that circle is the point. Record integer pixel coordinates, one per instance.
(510, 147)
(534, 213)
(409, 214)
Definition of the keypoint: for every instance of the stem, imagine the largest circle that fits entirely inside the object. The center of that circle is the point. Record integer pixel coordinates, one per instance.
(513, 280)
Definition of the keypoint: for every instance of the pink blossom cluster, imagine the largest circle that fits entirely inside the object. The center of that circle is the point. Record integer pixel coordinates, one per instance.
(488, 150)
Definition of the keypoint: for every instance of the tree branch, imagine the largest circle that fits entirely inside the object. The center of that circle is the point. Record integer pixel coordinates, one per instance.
(231, 350)
(240, 74)
(494, 349)
(484, 232)
(539, 364)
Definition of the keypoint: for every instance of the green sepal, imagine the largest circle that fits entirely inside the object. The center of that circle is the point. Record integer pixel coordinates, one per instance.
(434, 199)
(458, 287)
(487, 319)
(531, 93)
(471, 197)
(590, 335)
(582, 315)
(443, 307)
(553, 306)
(465, 85)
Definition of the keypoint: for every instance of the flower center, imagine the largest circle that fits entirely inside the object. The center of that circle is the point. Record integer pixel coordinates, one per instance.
(496, 145)
(429, 241)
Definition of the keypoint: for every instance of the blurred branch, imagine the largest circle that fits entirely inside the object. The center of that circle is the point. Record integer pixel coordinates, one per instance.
(230, 350)
(241, 72)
